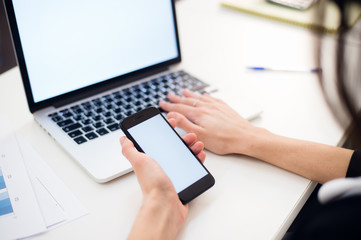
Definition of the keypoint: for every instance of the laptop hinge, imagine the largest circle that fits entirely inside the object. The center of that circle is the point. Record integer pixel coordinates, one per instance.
(105, 87)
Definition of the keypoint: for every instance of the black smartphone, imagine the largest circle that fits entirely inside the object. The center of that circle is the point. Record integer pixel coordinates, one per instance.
(152, 134)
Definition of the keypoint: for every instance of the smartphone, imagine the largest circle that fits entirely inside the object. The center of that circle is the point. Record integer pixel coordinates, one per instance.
(152, 134)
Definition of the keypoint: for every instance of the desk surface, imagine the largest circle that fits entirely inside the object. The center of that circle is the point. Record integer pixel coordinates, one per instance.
(251, 199)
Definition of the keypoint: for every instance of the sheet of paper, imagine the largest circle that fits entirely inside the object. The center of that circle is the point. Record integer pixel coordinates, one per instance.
(20, 215)
(32, 198)
(57, 203)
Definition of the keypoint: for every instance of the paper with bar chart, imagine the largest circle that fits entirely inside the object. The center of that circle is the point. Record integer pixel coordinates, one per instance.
(32, 198)
(20, 215)
(5, 203)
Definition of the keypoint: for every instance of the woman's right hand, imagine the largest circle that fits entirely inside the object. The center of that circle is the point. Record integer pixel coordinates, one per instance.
(217, 125)
(162, 213)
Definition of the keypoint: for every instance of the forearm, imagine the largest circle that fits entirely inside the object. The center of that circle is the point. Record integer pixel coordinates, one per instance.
(314, 161)
(155, 220)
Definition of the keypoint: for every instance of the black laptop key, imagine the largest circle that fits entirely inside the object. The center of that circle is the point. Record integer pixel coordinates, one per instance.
(86, 104)
(107, 114)
(108, 121)
(99, 110)
(56, 118)
(80, 140)
(88, 107)
(78, 117)
(106, 97)
(75, 133)
(98, 104)
(117, 110)
(116, 95)
(146, 93)
(127, 93)
(72, 127)
(127, 107)
(78, 110)
(52, 114)
(113, 127)
(89, 114)
(67, 114)
(65, 122)
(102, 131)
(87, 129)
(97, 118)
(128, 113)
(148, 105)
(146, 86)
(119, 117)
(138, 96)
(87, 121)
(135, 89)
(64, 111)
(119, 103)
(109, 106)
(98, 124)
(91, 135)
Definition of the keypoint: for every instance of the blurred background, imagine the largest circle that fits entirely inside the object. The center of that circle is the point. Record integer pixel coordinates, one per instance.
(7, 57)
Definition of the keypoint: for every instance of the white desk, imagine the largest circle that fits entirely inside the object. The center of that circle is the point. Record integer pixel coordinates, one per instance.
(251, 199)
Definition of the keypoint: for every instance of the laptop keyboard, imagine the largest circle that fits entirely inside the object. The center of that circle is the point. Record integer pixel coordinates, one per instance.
(100, 116)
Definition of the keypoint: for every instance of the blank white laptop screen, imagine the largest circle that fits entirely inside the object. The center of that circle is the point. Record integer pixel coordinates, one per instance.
(71, 44)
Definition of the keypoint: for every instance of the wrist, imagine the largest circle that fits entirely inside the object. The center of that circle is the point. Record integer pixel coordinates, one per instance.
(251, 141)
(158, 217)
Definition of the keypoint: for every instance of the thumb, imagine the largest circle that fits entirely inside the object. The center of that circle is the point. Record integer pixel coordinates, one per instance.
(145, 168)
(131, 153)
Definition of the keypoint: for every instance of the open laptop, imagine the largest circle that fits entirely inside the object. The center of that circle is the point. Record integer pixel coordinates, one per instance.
(86, 65)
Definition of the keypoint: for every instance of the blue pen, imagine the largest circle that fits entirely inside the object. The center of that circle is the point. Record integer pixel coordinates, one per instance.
(314, 70)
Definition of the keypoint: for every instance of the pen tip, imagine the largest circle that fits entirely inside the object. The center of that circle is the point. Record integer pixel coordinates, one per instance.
(316, 70)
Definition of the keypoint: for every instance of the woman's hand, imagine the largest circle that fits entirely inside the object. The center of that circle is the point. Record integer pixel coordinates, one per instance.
(162, 213)
(224, 131)
(216, 124)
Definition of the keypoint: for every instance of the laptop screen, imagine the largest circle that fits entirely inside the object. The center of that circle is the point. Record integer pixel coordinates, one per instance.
(72, 44)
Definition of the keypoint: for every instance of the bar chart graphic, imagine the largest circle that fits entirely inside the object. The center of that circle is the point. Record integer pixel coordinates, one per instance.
(5, 203)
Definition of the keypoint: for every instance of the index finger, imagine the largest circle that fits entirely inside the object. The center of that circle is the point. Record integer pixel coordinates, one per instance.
(205, 97)
(188, 111)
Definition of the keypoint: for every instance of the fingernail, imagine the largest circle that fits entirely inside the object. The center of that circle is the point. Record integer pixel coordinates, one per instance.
(172, 115)
(122, 139)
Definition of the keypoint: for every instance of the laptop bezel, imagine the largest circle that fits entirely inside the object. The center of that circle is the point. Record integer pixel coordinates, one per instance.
(85, 91)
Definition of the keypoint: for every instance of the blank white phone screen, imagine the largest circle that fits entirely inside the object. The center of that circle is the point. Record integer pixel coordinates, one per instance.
(161, 143)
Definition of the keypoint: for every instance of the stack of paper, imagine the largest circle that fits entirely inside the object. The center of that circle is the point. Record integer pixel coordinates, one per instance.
(32, 197)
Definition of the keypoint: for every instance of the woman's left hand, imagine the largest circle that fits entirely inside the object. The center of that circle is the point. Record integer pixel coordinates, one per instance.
(216, 124)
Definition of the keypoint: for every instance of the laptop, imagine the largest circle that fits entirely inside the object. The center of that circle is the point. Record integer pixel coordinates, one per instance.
(86, 65)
